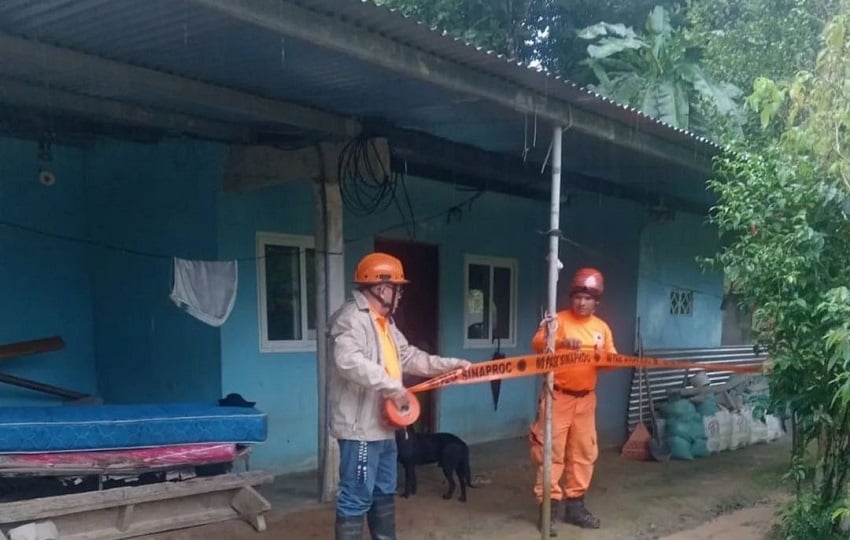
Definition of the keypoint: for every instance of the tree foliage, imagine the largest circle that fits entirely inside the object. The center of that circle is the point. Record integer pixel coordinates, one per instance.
(658, 71)
(752, 42)
(743, 40)
(784, 213)
(509, 27)
(539, 31)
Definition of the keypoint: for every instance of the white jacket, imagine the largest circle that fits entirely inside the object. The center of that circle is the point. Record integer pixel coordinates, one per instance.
(358, 380)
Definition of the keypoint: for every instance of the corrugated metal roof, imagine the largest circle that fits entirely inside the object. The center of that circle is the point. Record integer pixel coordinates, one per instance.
(182, 38)
(394, 24)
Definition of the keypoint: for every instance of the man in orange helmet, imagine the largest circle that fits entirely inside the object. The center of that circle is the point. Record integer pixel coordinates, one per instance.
(369, 357)
(574, 449)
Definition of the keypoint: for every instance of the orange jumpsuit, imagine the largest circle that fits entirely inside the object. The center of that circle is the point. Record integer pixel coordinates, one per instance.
(574, 449)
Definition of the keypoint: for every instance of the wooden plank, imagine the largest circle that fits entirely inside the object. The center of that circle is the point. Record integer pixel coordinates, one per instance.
(251, 505)
(125, 516)
(166, 523)
(33, 346)
(41, 387)
(49, 507)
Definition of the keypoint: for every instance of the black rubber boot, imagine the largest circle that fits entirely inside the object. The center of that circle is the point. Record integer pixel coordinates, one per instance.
(349, 528)
(381, 518)
(575, 513)
(553, 512)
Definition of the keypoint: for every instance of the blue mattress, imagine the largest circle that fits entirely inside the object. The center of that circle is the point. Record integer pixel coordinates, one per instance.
(118, 427)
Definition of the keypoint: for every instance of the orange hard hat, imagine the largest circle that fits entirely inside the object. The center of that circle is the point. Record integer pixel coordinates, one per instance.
(379, 268)
(588, 280)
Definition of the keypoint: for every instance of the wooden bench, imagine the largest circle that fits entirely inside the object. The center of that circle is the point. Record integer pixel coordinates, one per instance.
(126, 512)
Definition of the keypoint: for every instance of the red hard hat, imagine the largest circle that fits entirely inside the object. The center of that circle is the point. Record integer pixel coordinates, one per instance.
(588, 280)
(379, 268)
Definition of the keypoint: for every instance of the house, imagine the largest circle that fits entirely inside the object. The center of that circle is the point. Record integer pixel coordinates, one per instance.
(135, 132)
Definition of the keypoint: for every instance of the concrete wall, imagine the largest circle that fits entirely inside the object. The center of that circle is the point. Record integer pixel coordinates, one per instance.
(44, 282)
(284, 384)
(607, 232)
(668, 260)
(159, 199)
(127, 340)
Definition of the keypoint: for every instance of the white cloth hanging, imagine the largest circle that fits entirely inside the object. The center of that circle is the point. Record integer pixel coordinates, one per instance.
(205, 289)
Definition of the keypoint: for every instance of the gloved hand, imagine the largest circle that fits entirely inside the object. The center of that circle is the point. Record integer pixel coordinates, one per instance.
(401, 399)
(551, 320)
(463, 364)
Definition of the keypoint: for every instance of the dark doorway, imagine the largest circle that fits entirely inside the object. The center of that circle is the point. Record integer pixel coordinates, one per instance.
(418, 314)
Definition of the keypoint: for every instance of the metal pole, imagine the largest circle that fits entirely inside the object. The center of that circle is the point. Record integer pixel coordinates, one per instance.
(552, 308)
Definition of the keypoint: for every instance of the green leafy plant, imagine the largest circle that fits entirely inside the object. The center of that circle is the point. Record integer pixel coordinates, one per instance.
(659, 73)
(784, 217)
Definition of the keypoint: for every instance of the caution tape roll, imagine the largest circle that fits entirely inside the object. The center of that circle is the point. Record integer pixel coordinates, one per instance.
(396, 418)
(536, 364)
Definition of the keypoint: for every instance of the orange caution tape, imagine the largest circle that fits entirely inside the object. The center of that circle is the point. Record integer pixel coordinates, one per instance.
(536, 364)
(396, 418)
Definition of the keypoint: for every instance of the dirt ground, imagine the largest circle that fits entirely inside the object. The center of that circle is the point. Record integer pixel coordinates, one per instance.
(634, 500)
(747, 524)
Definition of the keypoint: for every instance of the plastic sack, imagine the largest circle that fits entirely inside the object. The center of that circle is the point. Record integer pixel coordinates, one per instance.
(712, 433)
(708, 406)
(679, 428)
(699, 448)
(679, 448)
(696, 429)
(679, 408)
(774, 427)
(758, 432)
(741, 429)
(724, 424)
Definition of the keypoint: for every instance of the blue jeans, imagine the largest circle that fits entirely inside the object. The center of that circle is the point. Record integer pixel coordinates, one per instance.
(366, 470)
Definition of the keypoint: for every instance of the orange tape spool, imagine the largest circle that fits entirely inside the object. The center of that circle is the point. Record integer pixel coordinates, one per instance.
(397, 418)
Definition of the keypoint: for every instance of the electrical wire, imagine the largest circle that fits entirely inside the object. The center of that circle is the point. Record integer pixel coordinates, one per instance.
(366, 185)
(452, 213)
(365, 190)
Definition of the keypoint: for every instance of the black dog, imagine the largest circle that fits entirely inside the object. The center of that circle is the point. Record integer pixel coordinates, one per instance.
(446, 450)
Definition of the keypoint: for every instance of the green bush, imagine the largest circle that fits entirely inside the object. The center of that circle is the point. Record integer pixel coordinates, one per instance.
(807, 518)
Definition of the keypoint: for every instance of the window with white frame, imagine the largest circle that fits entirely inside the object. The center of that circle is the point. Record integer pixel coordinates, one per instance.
(287, 292)
(490, 293)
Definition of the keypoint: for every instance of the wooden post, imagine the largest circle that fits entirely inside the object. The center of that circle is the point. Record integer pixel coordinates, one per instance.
(330, 295)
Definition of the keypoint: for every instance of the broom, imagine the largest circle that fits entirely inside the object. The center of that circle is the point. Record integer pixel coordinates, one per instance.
(637, 445)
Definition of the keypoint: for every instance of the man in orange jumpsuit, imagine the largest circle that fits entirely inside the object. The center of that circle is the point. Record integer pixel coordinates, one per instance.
(574, 449)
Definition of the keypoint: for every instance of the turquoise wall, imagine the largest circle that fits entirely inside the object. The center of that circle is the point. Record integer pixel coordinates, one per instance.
(159, 199)
(127, 340)
(605, 233)
(496, 226)
(282, 384)
(668, 253)
(124, 339)
(44, 282)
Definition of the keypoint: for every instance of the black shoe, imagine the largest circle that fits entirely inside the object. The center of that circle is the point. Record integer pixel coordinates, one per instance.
(349, 528)
(575, 513)
(553, 512)
(381, 518)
